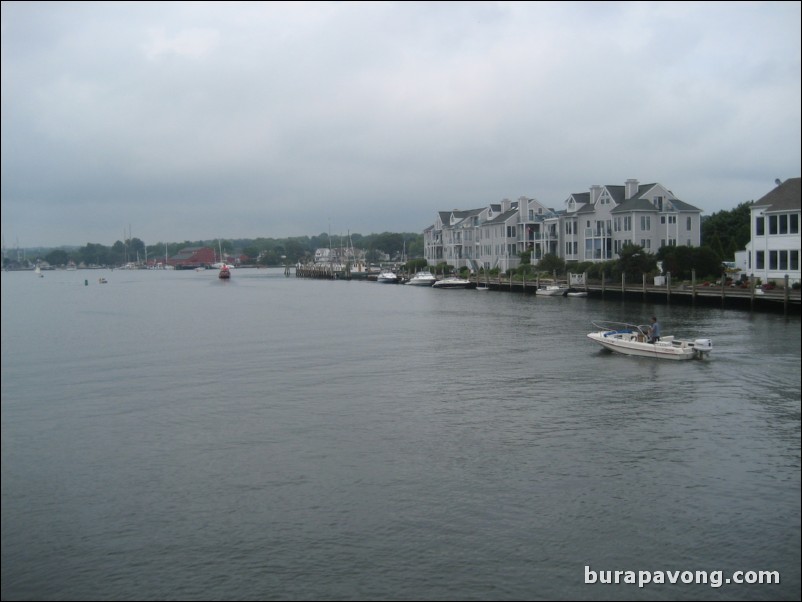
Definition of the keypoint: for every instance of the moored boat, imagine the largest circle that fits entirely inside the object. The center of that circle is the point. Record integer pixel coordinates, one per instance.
(387, 277)
(552, 290)
(452, 282)
(422, 278)
(631, 339)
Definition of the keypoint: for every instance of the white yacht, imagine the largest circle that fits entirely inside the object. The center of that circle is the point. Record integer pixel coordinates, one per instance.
(422, 278)
(387, 277)
(452, 282)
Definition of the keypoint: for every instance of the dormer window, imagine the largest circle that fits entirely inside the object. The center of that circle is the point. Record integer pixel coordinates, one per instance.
(658, 202)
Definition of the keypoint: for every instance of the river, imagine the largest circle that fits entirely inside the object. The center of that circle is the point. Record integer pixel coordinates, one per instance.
(168, 436)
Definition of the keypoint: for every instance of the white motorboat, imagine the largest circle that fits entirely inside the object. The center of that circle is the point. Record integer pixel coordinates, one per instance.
(452, 282)
(422, 278)
(387, 277)
(631, 339)
(553, 290)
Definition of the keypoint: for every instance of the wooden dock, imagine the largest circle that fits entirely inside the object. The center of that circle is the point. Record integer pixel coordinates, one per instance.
(786, 300)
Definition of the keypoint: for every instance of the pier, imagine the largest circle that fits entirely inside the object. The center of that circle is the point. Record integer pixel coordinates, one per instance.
(319, 271)
(784, 299)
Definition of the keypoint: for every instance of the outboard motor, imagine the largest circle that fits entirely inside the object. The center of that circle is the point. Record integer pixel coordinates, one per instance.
(702, 347)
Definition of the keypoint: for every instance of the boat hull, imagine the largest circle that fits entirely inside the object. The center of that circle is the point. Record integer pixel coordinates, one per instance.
(422, 279)
(667, 348)
(387, 278)
(551, 291)
(452, 283)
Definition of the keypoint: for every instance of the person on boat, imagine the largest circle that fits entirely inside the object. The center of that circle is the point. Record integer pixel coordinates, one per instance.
(654, 330)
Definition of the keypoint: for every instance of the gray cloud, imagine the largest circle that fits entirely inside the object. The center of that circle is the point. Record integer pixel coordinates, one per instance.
(202, 120)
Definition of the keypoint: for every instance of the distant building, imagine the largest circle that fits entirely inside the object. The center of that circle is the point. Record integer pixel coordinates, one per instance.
(191, 257)
(593, 226)
(774, 246)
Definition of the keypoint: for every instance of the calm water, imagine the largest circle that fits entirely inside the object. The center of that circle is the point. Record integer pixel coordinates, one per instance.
(171, 436)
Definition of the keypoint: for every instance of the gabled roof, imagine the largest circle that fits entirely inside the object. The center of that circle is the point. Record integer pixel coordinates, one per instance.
(637, 203)
(460, 214)
(786, 197)
(502, 217)
(618, 193)
(634, 204)
(463, 216)
(682, 205)
(581, 197)
(644, 188)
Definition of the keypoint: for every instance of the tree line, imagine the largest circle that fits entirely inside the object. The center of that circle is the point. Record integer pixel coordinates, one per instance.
(267, 251)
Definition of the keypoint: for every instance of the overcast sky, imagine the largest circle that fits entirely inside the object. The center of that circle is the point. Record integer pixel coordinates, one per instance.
(187, 121)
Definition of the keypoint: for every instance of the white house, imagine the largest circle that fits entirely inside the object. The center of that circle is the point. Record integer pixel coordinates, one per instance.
(773, 249)
(597, 225)
(593, 227)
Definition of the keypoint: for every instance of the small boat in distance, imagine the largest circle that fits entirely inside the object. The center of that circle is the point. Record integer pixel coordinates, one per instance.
(631, 339)
(422, 278)
(452, 282)
(225, 268)
(387, 277)
(552, 290)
